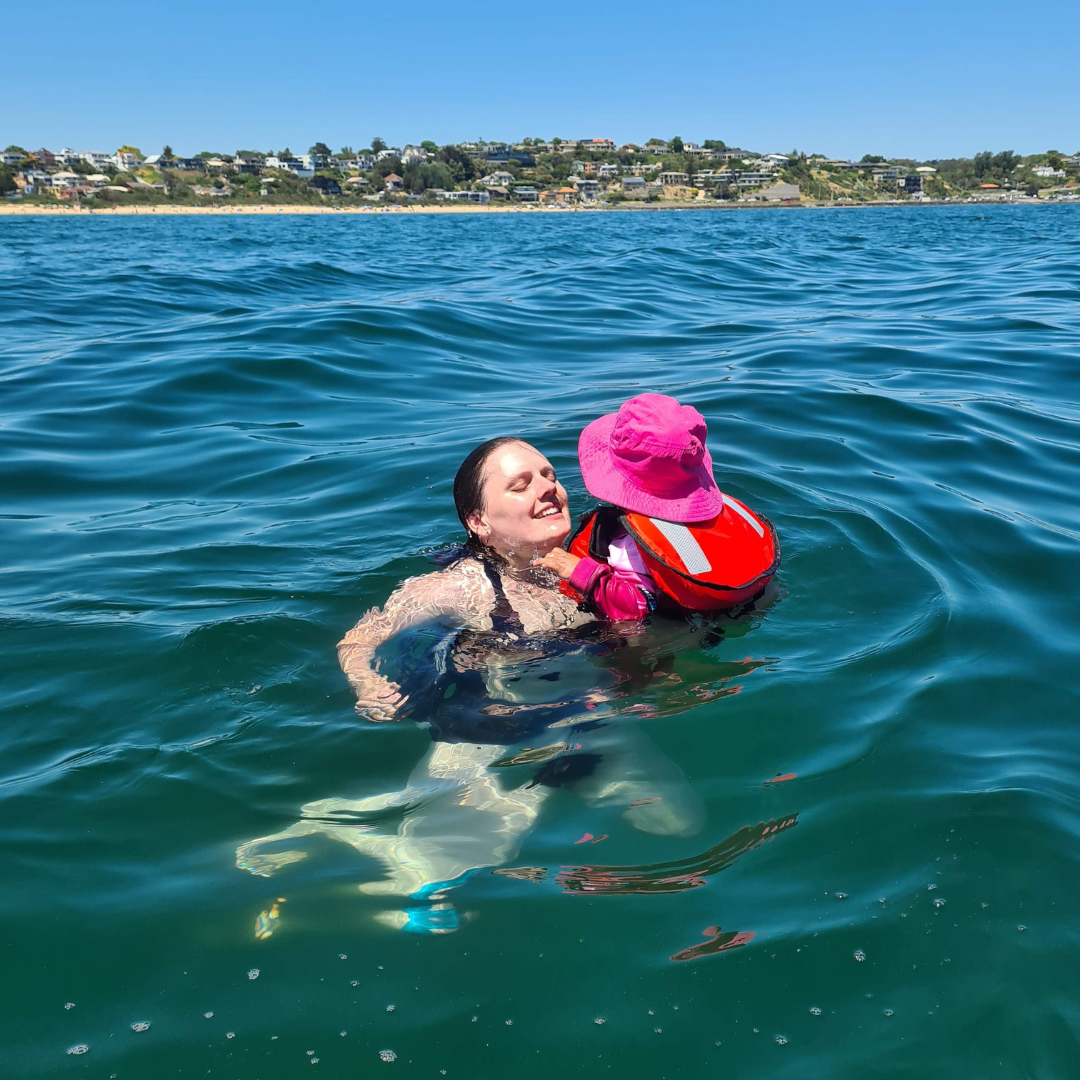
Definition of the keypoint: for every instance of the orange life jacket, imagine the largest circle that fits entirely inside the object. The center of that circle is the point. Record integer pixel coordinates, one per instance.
(701, 567)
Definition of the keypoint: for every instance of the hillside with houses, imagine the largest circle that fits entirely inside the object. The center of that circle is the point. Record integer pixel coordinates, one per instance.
(533, 172)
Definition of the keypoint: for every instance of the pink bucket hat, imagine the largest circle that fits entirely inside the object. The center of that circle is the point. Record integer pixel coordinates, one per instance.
(650, 458)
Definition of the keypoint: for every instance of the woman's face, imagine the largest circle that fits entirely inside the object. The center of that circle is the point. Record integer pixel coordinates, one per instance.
(525, 512)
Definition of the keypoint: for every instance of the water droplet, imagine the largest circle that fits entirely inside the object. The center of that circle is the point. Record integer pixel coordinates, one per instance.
(380, 967)
(78, 1048)
(781, 1041)
(140, 1025)
(1021, 928)
(509, 1023)
(814, 1010)
(658, 1030)
(354, 983)
(930, 888)
(390, 1008)
(253, 973)
(903, 915)
(757, 1031)
(311, 1053)
(651, 1013)
(881, 900)
(860, 955)
(388, 1055)
(869, 996)
(939, 903)
(69, 1004)
(600, 1020)
(273, 1038)
(841, 896)
(984, 906)
(887, 1012)
(343, 1033)
(230, 1034)
(314, 1061)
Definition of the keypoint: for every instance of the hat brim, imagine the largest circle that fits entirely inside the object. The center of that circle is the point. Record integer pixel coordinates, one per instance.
(605, 482)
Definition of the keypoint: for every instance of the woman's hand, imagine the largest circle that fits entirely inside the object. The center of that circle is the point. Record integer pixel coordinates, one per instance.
(562, 562)
(378, 699)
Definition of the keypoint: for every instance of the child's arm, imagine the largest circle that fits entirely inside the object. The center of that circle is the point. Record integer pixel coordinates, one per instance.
(617, 594)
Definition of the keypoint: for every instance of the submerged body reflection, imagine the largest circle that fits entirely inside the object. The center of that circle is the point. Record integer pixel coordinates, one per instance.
(508, 728)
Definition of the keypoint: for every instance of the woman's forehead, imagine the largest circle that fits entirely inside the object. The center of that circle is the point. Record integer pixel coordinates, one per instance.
(515, 458)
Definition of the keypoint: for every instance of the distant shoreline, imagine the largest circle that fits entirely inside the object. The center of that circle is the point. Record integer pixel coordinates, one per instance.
(16, 210)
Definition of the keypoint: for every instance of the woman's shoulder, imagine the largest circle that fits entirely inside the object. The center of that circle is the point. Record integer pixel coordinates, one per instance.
(456, 589)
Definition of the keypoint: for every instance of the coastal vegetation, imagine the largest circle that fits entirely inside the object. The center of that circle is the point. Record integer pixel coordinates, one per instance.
(534, 170)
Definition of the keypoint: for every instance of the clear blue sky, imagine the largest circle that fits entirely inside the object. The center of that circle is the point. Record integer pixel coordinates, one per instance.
(899, 79)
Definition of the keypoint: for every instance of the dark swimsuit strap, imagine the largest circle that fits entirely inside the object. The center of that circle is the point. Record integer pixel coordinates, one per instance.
(504, 619)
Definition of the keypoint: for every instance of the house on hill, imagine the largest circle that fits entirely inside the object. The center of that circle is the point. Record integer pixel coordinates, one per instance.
(394, 182)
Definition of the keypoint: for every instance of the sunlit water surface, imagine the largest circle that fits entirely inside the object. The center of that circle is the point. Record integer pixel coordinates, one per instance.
(223, 440)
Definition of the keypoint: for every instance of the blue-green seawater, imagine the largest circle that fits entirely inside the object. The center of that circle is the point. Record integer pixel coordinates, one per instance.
(221, 441)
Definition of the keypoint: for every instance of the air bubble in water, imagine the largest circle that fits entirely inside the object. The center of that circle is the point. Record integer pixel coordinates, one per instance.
(69, 1004)
(140, 1025)
(343, 1033)
(314, 1061)
(887, 1012)
(841, 896)
(600, 1020)
(390, 1008)
(253, 973)
(930, 888)
(388, 1055)
(509, 1023)
(939, 903)
(230, 1034)
(311, 1053)
(78, 1048)
(860, 955)
(814, 1010)
(658, 1030)
(342, 956)
(208, 1015)
(781, 1041)
(473, 1020)
(881, 900)
(354, 983)
(1021, 928)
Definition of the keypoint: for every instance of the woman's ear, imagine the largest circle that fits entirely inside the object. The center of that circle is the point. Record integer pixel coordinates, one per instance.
(477, 525)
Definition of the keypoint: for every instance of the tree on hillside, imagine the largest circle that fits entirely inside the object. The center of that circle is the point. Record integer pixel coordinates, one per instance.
(387, 166)
(346, 152)
(429, 146)
(166, 153)
(419, 177)
(556, 142)
(378, 145)
(461, 166)
(676, 145)
(7, 177)
(654, 142)
(714, 144)
(130, 150)
(320, 149)
(871, 159)
(13, 149)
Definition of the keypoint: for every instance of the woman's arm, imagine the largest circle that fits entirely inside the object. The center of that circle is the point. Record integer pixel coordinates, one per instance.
(416, 601)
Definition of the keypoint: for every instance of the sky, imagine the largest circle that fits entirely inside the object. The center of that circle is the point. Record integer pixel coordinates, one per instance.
(899, 79)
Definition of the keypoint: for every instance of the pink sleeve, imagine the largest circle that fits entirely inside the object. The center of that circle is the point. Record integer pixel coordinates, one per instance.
(617, 594)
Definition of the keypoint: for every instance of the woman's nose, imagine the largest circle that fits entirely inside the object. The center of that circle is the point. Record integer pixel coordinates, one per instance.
(545, 488)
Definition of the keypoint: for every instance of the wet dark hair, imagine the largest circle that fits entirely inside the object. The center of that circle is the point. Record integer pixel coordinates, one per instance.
(469, 496)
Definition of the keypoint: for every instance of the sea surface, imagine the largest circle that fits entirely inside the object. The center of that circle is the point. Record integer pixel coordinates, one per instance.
(223, 440)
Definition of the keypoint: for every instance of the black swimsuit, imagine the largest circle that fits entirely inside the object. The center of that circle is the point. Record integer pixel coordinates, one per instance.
(454, 701)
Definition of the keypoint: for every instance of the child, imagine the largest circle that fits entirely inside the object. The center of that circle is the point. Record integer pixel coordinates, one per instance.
(670, 534)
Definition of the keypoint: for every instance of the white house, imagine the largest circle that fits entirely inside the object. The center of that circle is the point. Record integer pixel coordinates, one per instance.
(96, 158)
(414, 154)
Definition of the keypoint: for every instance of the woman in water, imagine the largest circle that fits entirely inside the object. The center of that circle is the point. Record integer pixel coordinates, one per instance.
(510, 634)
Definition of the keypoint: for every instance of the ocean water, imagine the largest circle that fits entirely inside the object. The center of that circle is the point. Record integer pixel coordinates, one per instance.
(221, 441)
